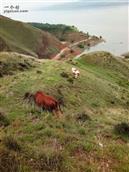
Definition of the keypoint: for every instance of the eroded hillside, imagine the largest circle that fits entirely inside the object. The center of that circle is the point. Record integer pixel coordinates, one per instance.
(23, 38)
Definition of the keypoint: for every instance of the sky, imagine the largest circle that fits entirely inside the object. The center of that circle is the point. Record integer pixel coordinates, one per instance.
(52, 4)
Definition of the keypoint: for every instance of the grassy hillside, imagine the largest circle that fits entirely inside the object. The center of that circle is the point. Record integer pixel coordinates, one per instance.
(107, 66)
(10, 63)
(23, 38)
(62, 32)
(86, 138)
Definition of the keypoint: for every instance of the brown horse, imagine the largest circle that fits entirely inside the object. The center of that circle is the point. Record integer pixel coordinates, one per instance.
(46, 102)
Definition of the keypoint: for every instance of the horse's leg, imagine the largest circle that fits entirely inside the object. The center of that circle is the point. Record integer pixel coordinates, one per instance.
(57, 113)
(54, 113)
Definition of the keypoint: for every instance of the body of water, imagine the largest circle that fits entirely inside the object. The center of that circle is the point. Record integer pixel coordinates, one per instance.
(110, 22)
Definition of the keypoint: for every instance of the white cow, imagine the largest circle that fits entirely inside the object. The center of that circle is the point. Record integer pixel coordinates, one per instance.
(75, 72)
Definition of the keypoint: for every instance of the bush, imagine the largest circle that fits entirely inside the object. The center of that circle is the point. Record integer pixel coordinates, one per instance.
(62, 39)
(82, 117)
(71, 51)
(81, 46)
(39, 71)
(64, 75)
(70, 80)
(11, 143)
(3, 120)
(62, 56)
(122, 129)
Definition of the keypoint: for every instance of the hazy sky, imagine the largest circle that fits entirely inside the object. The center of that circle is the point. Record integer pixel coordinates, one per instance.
(56, 5)
(47, 4)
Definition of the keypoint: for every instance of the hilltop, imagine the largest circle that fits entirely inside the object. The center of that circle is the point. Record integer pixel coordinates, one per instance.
(23, 38)
(85, 138)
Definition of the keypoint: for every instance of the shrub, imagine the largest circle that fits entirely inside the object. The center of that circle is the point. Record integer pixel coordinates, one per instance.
(64, 75)
(62, 56)
(81, 46)
(82, 117)
(122, 129)
(11, 143)
(39, 71)
(71, 51)
(3, 120)
(70, 80)
(88, 44)
(62, 39)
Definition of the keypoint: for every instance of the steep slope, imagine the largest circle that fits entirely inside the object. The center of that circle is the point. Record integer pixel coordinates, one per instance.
(84, 138)
(21, 37)
(62, 32)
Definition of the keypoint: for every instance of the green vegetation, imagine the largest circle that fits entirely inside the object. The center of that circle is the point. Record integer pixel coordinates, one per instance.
(56, 29)
(81, 46)
(122, 129)
(62, 32)
(23, 38)
(3, 120)
(84, 139)
(10, 63)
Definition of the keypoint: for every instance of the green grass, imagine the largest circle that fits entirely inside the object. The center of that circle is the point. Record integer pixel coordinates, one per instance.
(56, 29)
(62, 32)
(50, 144)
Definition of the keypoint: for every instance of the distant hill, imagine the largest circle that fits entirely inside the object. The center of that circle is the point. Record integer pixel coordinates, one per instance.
(23, 38)
(62, 32)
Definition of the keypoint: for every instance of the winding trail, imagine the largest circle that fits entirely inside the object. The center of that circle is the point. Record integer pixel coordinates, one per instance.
(68, 48)
(58, 56)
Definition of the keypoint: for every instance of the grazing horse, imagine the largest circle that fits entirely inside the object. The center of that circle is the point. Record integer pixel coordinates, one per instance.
(46, 102)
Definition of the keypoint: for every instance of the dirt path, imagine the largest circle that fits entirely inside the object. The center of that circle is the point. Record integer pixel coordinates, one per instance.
(69, 47)
(76, 43)
(60, 53)
(57, 57)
